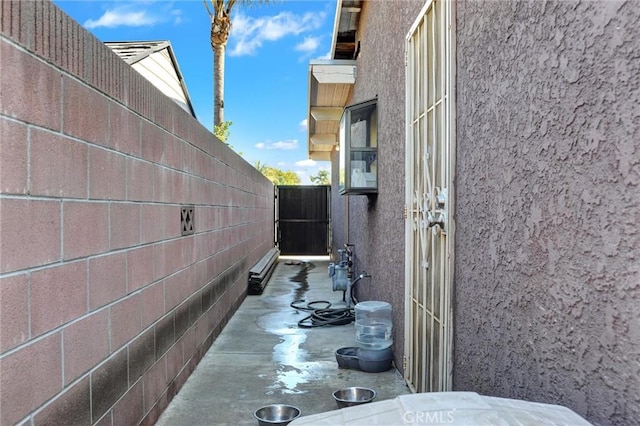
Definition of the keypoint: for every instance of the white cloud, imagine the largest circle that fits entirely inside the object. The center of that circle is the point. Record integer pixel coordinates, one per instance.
(248, 33)
(309, 45)
(116, 18)
(326, 55)
(136, 14)
(305, 163)
(286, 145)
(303, 125)
(280, 145)
(178, 17)
(139, 14)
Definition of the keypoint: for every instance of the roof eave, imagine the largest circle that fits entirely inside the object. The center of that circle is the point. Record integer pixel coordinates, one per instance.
(330, 82)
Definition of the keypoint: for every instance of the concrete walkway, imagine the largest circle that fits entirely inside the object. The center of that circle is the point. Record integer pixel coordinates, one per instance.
(263, 357)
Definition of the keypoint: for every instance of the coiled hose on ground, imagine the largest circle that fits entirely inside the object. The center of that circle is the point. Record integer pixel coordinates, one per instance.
(320, 317)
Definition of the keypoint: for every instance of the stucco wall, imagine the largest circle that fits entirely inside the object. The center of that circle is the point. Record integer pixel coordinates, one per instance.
(376, 224)
(105, 308)
(547, 298)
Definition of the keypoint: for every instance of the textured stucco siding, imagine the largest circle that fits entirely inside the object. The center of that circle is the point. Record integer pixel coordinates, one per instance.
(376, 223)
(547, 275)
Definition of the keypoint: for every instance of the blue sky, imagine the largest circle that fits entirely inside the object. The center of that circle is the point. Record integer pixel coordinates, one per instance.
(267, 62)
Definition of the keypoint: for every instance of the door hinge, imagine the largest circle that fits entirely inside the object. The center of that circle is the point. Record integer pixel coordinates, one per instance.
(404, 363)
(405, 212)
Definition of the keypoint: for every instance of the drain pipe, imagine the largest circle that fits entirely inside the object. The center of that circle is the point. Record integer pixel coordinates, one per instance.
(346, 224)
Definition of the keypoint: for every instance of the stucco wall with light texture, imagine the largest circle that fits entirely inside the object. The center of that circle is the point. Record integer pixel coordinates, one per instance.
(547, 276)
(376, 223)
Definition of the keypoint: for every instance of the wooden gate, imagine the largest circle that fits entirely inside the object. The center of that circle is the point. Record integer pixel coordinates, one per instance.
(303, 219)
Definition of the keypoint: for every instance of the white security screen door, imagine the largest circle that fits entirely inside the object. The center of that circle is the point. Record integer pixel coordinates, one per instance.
(429, 195)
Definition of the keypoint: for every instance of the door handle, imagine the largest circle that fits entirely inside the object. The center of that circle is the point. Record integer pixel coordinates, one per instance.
(435, 219)
(438, 218)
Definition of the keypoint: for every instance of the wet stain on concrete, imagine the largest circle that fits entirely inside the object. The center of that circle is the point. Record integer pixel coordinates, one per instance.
(295, 369)
(288, 351)
(288, 379)
(302, 278)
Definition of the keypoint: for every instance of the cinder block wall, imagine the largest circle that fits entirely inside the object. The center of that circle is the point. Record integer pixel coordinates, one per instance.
(105, 308)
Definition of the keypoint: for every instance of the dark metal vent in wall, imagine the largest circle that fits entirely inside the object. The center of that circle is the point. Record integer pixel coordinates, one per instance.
(186, 220)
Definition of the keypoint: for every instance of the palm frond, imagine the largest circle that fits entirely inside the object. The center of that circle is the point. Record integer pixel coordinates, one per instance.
(230, 4)
(206, 5)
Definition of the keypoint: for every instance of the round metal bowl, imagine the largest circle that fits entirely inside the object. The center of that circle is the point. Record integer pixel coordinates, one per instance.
(349, 397)
(276, 414)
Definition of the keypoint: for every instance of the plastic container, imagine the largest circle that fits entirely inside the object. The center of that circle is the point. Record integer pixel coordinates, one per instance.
(374, 325)
(375, 361)
(348, 358)
(369, 360)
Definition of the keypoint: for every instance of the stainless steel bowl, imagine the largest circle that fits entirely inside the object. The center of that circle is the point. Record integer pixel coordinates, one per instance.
(349, 397)
(276, 414)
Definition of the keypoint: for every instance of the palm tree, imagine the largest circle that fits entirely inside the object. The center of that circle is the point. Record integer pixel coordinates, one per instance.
(220, 29)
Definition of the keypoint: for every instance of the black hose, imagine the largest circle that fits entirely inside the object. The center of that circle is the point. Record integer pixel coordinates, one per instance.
(308, 307)
(325, 316)
(320, 317)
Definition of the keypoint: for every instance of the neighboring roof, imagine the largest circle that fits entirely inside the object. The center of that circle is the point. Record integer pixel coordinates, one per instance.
(330, 82)
(156, 62)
